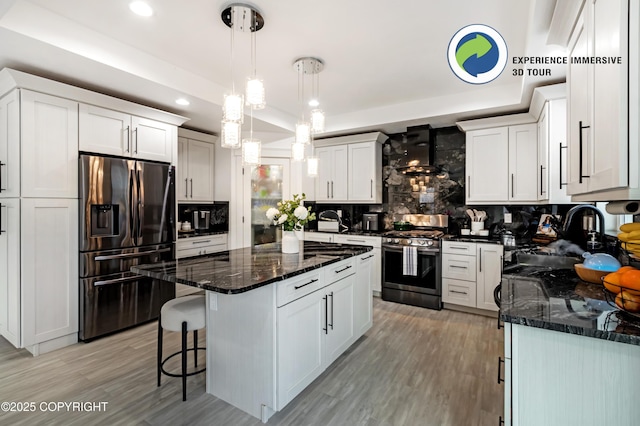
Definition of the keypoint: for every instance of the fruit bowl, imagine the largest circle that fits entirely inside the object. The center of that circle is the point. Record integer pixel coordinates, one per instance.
(589, 275)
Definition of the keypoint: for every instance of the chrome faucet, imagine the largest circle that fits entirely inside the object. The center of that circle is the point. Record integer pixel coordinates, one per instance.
(571, 213)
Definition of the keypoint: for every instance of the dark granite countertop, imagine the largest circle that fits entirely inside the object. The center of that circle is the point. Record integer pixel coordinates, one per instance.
(472, 239)
(240, 270)
(556, 299)
(363, 233)
(197, 233)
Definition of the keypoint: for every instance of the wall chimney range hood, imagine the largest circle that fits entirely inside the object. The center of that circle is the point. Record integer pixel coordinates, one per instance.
(420, 148)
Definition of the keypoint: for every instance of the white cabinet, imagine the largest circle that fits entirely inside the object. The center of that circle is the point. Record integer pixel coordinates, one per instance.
(49, 271)
(10, 270)
(365, 183)
(199, 246)
(110, 132)
(543, 155)
(470, 273)
(10, 145)
(195, 169)
(350, 169)
(501, 163)
(321, 237)
(554, 131)
(604, 152)
(364, 240)
(49, 144)
(331, 183)
(340, 334)
(362, 300)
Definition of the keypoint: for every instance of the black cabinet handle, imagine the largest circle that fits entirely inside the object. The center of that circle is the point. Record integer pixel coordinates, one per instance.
(1, 231)
(560, 171)
(541, 183)
(327, 189)
(191, 187)
(581, 152)
(500, 421)
(344, 269)
(326, 316)
(128, 140)
(368, 257)
(331, 189)
(1, 164)
(500, 362)
(371, 188)
(499, 323)
(457, 292)
(480, 260)
(136, 148)
(186, 188)
(331, 325)
(304, 285)
(512, 196)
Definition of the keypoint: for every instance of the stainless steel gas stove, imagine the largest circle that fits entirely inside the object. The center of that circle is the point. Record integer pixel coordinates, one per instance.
(411, 262)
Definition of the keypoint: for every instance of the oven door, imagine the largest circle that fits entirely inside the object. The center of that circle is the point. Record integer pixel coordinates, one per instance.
(427, 279)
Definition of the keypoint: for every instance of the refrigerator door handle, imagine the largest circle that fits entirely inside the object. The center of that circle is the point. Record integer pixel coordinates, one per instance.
(131, 200)
(117, 281)
(139, 204)
(129, 255)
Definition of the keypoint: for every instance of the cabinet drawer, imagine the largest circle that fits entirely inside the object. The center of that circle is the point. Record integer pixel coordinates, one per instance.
(201, 242)
(318, 236)
(358, 240)
(459, 267)
(296, 287)
(454, 247)
(459, 292)
(338, 271)
(200, 251)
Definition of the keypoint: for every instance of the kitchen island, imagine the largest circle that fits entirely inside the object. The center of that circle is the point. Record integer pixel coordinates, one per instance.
(275, 321)
(571, 357)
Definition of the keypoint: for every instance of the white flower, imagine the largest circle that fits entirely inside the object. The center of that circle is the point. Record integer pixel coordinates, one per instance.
(272, 213)
(282, 219)
(301, 213)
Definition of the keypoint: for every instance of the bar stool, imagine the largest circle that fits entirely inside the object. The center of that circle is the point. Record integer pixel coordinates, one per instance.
(182, 314)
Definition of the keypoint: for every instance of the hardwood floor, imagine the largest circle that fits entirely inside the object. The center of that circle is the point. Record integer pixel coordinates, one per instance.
(414, 367)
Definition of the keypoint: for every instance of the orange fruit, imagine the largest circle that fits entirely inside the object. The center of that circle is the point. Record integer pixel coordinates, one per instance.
(628, 301)
(611, 282)
(630, 280)
(626, 268)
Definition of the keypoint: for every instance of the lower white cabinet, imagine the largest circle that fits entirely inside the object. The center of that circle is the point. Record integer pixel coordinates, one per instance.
(470, 273)
(199, 246)
(40, 274)
(362, 300)
(365, 240)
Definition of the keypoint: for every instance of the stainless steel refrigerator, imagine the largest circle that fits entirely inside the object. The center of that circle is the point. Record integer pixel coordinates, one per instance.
(126, 218)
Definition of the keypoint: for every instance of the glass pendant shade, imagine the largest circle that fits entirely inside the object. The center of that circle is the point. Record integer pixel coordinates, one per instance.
(251, 151)
(230, 135)
(232, 110)
(317, 121)
(303, 132)
(297, 151)
(254, 94)
(312, 166)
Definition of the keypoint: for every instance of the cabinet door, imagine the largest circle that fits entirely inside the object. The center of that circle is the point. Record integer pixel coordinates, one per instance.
(557, 117)
(325, 173)
(200, 168)
(10, 270)
(363, 185)
(543, 154)
(341, 334)
(523, 163)
(49, 253)
(339, 183)
(152, 140)
(610, 167)
(300, 337)
(579, 95)
(182, 170)
(10, 145)
(49, 128)
(104, 131)
(363, 297)
(489, 274)
(487, 165)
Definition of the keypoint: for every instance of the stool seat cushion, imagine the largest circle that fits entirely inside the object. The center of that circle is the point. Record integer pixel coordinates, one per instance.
(191, 309)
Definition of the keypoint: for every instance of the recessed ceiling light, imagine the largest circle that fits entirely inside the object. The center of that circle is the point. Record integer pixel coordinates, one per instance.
(182, 101)
(314, 103)
(141, 8)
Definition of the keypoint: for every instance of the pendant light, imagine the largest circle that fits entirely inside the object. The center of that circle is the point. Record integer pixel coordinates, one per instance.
(243, 18)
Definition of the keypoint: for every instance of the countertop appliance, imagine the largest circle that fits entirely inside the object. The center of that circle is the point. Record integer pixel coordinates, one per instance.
(373, 222)
(126, 219)
(424, 288)
(201, 219)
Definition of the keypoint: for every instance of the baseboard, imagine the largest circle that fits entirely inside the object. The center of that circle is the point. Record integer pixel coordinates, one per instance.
(53, 344)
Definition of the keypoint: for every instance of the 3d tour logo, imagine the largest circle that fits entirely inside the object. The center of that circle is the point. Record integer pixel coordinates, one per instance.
(477, 54)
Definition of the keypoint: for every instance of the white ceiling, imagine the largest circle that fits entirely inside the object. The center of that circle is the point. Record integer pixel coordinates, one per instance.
(385, 62)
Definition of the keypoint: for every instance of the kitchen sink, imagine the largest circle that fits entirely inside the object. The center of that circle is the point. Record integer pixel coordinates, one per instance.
(550, 261)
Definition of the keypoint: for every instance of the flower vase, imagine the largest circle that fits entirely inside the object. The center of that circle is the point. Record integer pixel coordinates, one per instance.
(290, 242)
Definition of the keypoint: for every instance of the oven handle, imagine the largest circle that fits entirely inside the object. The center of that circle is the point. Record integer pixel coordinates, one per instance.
(420, 251)
(129, 255)
(118, 280)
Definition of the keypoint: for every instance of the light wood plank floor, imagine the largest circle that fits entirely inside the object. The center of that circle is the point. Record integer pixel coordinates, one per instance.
(414, 367)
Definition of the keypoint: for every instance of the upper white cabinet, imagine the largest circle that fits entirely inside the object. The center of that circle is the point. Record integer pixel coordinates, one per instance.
(501, 162)
(350, 169)
(603, 107)
(10, 145)
(195, 168)
(110, 132)
(49, 143)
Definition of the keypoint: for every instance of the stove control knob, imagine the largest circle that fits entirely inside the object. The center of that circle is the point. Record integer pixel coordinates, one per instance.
(408, 242)
(396, 241)
(389, 240)
(422, 242)
(429, 243)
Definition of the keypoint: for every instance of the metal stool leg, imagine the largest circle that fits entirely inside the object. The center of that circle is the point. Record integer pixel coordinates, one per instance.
(195, 348)
(159, 349)
(184, 360)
